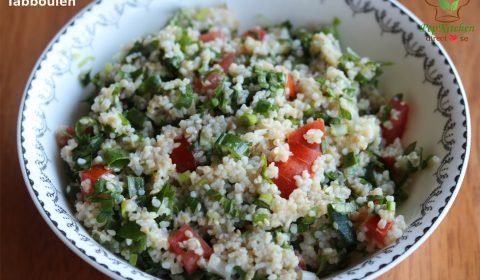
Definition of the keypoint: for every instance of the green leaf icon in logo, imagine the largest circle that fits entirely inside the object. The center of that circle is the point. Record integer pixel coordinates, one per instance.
(447, 6)
(454, 5)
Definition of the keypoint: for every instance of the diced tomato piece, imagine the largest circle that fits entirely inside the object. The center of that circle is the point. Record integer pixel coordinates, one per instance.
(304, 154)
(291, 87)
(63, 136)
(190, 261)
(183, 157)
(189, 258)
(301, 261)
(296, 137)
(302, 158)
(211, 83)
(286, 172)
(374, 232)
(256, 33)
(227, 60)
(389, 162)
(398, 122)
(211, 36)
(93, 174)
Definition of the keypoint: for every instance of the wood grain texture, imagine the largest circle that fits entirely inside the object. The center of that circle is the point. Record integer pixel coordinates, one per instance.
(30, 250)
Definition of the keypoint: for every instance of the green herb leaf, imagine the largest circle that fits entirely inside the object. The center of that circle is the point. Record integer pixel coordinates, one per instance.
(239, 272)
(85, 128)
(130, 230)
(343, 225)
(116, 158)
(349, 160)
(410, 148)
(150, 85)
(136, 118)
(192, 202)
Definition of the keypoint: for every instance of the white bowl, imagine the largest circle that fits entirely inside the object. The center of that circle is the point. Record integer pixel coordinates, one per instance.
(382, 30)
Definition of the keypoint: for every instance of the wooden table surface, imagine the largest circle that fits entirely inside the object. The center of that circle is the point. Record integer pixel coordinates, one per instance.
(30, 250)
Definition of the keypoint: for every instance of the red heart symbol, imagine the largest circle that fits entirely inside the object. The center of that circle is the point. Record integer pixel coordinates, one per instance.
(452, 37)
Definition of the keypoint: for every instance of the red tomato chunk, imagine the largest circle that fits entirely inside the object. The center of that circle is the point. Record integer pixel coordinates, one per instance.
(189, 258)
(374, 232)
(211, 36)
(302, 158)
(256, 33)
(211, 83)
(64, 135)
(227, 60)
(183, 157)
(93, 174)
(291, 87)
(398, 122)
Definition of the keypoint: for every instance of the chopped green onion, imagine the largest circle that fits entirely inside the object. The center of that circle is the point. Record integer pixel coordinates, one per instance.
(391, 206)
(123, 209)
(264, 107)
(259, 217)
(264, 162)
(347, 108)
(248, 119)
(184, 178)
(345, 114)
(185, 99)
(267, 198)
(264, 201)
(135, 186)
(344, 207)
(133, 259)
(233, 144)
(123, 119)
(116, 158)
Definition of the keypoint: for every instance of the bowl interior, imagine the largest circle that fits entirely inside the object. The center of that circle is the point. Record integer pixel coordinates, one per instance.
(380, 30)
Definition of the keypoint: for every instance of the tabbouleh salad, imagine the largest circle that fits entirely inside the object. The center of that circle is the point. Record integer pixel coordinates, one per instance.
(213, 154)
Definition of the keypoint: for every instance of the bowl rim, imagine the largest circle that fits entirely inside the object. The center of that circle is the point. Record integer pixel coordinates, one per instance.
(115, 274)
